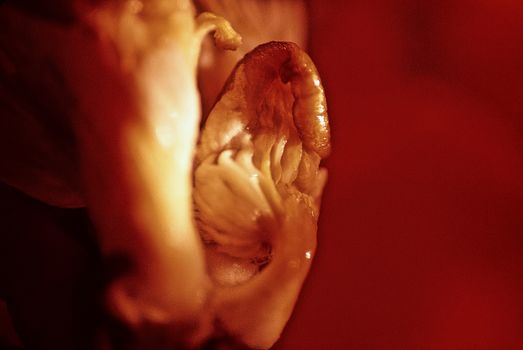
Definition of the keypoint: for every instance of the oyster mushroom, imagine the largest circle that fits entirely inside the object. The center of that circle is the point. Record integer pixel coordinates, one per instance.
(258, 186)
(105, 111)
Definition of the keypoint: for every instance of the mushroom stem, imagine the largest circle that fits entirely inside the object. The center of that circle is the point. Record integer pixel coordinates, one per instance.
(225, 36)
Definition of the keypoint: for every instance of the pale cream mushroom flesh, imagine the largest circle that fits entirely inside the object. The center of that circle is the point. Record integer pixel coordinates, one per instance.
(217, 230)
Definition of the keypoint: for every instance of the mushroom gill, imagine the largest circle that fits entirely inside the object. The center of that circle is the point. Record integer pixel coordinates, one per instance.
(257, 188)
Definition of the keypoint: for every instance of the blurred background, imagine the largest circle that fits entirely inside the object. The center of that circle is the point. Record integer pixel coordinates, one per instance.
(421, 234)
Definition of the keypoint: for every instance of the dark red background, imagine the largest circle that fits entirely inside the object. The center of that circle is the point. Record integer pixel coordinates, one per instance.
(421, 233)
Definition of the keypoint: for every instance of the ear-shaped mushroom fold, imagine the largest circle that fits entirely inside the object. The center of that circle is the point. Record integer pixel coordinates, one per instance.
(258, 186)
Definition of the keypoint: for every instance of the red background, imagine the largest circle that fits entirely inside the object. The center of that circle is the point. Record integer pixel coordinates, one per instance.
(421, 233)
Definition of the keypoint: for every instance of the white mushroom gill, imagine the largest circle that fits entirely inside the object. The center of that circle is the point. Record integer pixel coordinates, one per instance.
(258, 186)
